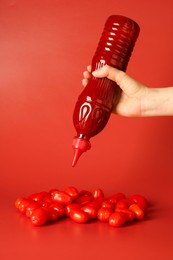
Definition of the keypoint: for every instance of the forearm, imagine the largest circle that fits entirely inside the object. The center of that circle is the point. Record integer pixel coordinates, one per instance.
(158, 102)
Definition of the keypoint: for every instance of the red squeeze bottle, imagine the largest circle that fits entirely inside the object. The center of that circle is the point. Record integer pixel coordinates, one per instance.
(95, 103)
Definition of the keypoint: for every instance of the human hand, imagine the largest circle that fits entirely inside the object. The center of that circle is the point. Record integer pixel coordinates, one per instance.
(133, 95)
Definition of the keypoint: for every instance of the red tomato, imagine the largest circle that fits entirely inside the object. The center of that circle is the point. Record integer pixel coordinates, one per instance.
(96, 204)
(83, 200)
(85, 192)
(91, 211)
(107, 204)
(59, 208)
(139, 200)
(37, 196)
(51, 191)
(123, 204)
(52, 213)
(116, 197)
(47, 201)
(81, 206)
(73, 192)
(117, 219)
(71, 207)
(23, 205)
(97, 193)
(104, 214)
(18, 201)
(39, 217)
(79, 216)
(61, 197)
(129, 214)
(139, 213)
(31, 207)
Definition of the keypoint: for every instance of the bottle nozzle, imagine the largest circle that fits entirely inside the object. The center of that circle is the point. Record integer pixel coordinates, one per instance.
(79, 145)
(77, 154)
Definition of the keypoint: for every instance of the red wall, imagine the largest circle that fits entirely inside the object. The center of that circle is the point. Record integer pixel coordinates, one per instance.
(44, 48)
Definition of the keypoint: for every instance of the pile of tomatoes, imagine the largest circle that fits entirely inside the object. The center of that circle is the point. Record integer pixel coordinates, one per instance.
(82, 206)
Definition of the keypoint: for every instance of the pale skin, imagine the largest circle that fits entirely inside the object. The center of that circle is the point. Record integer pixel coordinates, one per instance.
(136, 99)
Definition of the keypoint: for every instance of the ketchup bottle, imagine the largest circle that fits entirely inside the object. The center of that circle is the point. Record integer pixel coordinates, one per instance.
(95, 103)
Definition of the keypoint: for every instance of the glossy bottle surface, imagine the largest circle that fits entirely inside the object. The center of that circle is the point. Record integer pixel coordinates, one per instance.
(95, 103)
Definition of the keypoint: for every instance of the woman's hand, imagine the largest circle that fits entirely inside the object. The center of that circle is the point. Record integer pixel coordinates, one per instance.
(136, 99)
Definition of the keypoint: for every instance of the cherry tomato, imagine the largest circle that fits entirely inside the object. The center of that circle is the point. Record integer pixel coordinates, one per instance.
(104, 214)
(107, 204)
(139, 200)
(83, 200)
(52, 213)
(130, 216)
(98, 193)
(116, 197)
(51, 191)
(47, 201)
(31, 207)
(95, 204)
(73, 192)
(85, 192)
(99, 200)
(23, 205)
(139, 213)
(39, 217)
(18, 201)
(59, 208)
(79, 216)
(81, 206)
(71, 207)
(38, 196)
(117, 219)
(61, 197)
(91, 211)
(123, 204)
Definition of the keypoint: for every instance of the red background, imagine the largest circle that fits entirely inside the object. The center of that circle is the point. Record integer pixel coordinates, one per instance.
(44, 48)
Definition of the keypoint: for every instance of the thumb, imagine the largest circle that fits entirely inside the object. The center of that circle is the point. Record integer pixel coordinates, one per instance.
(129, 85)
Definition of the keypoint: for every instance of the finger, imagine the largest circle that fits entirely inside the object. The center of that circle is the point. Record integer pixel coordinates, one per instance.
(84, 82)
(89, 68)
(86, 75)
(129, 85)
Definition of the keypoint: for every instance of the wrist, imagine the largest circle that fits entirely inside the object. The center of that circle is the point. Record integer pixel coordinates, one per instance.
(158, 102)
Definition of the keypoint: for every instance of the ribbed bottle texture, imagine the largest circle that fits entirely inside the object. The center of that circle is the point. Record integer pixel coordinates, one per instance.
(95, 103)
(116, 43)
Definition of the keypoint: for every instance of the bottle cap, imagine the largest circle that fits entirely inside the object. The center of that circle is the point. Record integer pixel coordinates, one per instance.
(79, 145)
